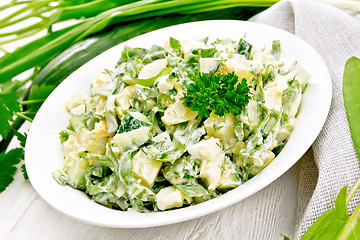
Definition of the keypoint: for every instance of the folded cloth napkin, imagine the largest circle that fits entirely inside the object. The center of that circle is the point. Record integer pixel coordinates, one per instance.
(332, 162)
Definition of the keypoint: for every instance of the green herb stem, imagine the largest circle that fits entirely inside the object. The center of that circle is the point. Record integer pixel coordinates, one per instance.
(31, 5)
(4, 143)
(23, 116)
(36, 26)
(29, 102)
(349, 227)
(352, 191)
(22, 36)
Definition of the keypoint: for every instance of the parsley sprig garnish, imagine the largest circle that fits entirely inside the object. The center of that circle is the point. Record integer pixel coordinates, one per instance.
(221, 93)
(12, 115)
(64, 136)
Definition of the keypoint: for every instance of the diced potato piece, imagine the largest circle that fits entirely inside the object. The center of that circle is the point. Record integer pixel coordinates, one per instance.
(76, 169)
(97, 144)
(169, 197)
(122, 100)
(265, 158)
(207, 150)
(265, 58)
(75, 100)
(152, 69)
(133, 138)
(295, 105)
(229, 177)
(100, 106)
(285, 130)
(240, 65)
(78, 110)
(166, 84)
(145, 168)
(238, 147)
(253, 113)
(213, 158)
(101, 128)
(71, 145)
(279, 82)
(188, 45)
(300, 75)
(273, 98)
(100, 79)
(222, 128)
(120, 191)
(210, 172)
(224, 49)
(92, 142)
(260, 164)
(177, 113)
(209, 64)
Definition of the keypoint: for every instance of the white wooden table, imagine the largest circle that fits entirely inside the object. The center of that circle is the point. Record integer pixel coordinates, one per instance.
(263, 216)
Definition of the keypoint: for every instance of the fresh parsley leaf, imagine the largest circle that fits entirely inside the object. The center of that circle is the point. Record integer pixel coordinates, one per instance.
(221, 93)
(64, 136)
(8, 107)
(23, 169)
(21, 138)
(12, 86)
(7, 162)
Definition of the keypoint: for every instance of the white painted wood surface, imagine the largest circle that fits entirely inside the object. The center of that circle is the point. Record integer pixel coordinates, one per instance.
(263, 216)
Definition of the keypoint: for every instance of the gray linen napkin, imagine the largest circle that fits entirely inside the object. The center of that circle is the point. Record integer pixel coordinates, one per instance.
(331, 163)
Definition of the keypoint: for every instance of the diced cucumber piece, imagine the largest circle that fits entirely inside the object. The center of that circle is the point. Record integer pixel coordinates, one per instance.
(132, 121)
(229, 177)
(76, 168)
(132, 139)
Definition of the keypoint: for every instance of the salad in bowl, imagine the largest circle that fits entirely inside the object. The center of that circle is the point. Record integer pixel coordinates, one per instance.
(179, 124)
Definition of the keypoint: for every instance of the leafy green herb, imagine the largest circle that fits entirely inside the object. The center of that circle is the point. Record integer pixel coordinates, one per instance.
(7, 162)
(23, 169)
(21, 138)
(8, 107)
(351, 91)
(175, 43)
(64, 136)
(276, 49)
(244, 48)
(336, 224)
(221, 93)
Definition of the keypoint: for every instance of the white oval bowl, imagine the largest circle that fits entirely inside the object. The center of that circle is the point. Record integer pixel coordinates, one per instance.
(44, 152)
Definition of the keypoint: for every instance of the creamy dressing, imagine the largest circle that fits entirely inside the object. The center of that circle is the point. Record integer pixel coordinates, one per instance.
(134, 145)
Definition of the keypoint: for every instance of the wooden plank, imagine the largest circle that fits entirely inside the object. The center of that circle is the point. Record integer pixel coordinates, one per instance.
(262, 216)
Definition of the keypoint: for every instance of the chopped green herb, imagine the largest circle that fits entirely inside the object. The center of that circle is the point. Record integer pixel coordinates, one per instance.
(8, 107)
(276, 50)
(221, 93)
(244, 48)
(64, 136)
(8, 163)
